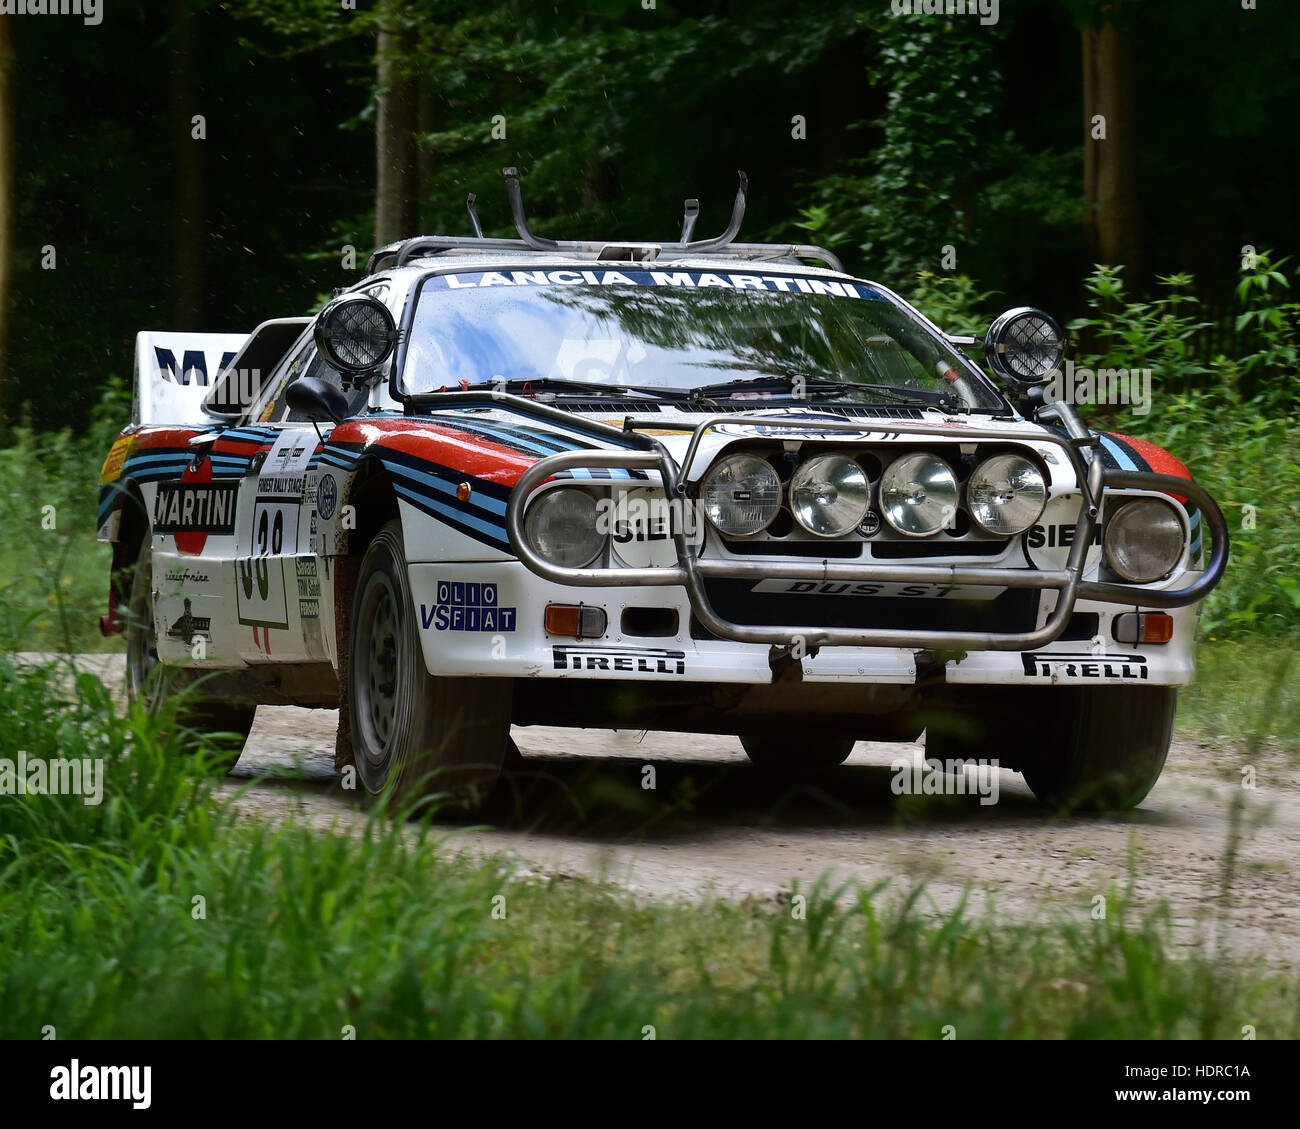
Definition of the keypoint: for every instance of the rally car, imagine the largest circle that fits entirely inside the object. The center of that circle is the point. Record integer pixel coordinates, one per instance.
(701, 486)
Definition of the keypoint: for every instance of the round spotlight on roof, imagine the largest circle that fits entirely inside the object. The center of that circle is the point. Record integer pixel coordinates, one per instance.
(1024, 345)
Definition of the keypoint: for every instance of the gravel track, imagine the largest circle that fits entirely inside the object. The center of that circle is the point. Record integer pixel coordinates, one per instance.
(712, 826)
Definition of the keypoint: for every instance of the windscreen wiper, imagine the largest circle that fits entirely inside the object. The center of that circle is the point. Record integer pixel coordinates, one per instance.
(558, 384)
(804, 386)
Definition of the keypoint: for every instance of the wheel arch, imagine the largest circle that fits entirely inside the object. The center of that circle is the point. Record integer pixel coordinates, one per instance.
(371, 494)
(373, 498)
(132, 529)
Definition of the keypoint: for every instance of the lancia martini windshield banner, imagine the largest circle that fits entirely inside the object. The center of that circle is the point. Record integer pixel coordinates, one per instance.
(685, 280)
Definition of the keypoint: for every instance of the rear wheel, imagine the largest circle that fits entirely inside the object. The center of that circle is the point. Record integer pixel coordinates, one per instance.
(412, 731)
(225, 724)
(795, 755)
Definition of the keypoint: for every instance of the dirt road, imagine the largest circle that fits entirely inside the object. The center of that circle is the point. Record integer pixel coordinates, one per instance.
(713, 826)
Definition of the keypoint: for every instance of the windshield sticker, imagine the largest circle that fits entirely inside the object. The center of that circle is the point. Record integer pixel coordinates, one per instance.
(684, 280)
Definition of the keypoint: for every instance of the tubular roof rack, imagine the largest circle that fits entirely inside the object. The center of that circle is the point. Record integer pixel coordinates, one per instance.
(692, 214)
(402, 252)
(474, 225)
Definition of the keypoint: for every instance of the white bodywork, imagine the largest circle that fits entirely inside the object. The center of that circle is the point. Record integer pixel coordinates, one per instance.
(292, 618)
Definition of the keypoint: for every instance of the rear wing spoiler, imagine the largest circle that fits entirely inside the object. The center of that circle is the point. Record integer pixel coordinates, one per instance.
(174, 372)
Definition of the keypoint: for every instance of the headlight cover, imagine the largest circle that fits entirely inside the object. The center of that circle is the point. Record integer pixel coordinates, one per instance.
(829, 495)
(741, 495)
(1006, 494)
(562, 527)
(1144, 540)
(1024, 345)
(918, 495)
(356, 333)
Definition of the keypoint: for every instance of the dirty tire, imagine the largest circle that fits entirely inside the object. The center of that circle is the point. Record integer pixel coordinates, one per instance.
(796, 754)
(412, 732)
(1100, 748)
(225, 724)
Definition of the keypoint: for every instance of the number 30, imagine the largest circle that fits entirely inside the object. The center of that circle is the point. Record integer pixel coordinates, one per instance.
(277, 534)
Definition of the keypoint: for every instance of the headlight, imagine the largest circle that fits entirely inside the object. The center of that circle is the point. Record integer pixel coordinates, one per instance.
(1144, 540)
(562, 526)
(1006, 494)
(918, 495)
(741, 495)
(829, 495)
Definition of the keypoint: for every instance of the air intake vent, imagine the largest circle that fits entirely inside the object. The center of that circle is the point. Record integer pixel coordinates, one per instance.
(1014, 610)
(603, 407)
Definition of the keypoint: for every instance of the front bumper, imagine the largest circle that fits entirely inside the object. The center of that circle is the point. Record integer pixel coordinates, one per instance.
(460, 638)
(691, 572)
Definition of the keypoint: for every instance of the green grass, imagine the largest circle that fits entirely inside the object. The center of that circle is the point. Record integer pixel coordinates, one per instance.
(1244, 687)
(53, 573)
(304, 934)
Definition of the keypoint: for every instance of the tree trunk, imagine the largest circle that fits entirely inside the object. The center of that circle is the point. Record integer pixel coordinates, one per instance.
(396, 163)
(425, 163)
(1110, 164)
(8, 147)
(187, 218)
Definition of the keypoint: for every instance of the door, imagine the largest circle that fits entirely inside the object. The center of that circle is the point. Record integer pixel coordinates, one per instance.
(277, 575)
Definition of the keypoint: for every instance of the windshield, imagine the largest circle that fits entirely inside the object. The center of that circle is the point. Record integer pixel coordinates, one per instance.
(731, 335)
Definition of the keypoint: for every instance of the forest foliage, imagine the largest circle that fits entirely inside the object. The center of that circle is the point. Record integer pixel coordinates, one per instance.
(904, 143)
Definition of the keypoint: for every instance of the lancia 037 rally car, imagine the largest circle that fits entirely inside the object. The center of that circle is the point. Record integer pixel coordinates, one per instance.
(700, 486)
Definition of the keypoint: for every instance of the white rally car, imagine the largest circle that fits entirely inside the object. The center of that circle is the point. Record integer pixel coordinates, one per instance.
(699, 486)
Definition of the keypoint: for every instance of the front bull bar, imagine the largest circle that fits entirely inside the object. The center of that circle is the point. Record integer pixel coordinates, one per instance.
(690, 572)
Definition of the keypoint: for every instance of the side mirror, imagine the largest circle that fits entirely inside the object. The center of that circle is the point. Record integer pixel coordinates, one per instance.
(1024, 346)
(317, 399)
(356, 333)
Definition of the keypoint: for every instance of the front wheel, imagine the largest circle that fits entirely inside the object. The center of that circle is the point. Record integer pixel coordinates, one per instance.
(412, 731)
(1101, 748)
(1086, 747)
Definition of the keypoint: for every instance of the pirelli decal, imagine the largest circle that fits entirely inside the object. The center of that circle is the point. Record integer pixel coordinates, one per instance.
(201, 507)
(628, 660)
(1046, 664)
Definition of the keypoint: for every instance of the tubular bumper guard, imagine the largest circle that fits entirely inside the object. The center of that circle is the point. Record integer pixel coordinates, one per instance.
(691, 572)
